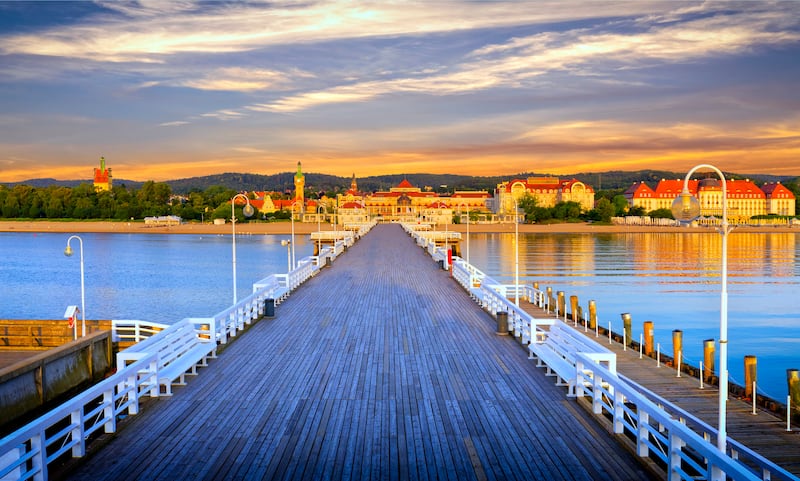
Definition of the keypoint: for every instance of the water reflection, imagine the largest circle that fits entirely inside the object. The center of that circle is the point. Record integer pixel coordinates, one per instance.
(672, 279)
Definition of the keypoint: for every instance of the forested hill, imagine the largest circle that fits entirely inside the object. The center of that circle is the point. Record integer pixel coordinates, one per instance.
(284, 181)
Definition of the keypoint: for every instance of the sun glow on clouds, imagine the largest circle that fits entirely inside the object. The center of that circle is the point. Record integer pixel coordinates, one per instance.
(481, 87)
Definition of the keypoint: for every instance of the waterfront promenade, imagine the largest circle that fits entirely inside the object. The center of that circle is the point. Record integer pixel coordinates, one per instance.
(380, 367)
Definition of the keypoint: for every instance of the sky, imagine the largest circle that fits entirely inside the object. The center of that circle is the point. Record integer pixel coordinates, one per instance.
(174, 89)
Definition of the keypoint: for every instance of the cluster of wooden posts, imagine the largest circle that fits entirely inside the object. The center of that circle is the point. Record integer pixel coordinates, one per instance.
(647, 347)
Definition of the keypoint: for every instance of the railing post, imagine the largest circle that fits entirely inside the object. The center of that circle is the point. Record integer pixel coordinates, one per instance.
(643, 434)
(39, 460)
(108, 411)
(76, 418)
(619, 412)
(675, 447)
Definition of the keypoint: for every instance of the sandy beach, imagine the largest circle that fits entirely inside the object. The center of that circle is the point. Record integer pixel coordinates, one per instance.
(305, 228)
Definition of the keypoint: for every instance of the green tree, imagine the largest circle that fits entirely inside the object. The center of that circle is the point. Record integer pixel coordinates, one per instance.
(567, 210)
(620, 204)
(604, 210)
(661, 214)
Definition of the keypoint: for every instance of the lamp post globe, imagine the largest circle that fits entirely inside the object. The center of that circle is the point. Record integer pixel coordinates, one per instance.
(685, 207)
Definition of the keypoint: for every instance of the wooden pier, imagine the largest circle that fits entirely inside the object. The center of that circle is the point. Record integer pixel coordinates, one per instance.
(380, 367)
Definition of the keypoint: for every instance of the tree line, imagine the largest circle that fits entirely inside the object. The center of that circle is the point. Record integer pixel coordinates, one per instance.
(120, 203)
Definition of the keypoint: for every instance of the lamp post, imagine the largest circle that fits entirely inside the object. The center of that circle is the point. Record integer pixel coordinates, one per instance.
(319, 230)
(686, 208)
(68, 253)
(288, 245)
(292, 242)
(516, 252)
(247, 211)
(467, 206)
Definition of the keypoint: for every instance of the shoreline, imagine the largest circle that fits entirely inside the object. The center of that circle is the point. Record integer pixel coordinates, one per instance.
(283, 228)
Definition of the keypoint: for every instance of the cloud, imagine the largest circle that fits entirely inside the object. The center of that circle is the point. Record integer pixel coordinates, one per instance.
(174, 123)
(145, 31)
(241, 79)
(583, 52)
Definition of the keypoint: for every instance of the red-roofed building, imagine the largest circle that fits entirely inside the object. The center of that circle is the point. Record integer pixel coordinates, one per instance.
(406, 202)
(745, 199)
(780, 200)
(548, 191)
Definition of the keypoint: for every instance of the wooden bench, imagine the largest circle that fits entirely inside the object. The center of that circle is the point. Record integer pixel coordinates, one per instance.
(180, 351)
(555, 350)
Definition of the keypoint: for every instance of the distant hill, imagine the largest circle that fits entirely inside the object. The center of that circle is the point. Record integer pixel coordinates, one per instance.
(284, 181)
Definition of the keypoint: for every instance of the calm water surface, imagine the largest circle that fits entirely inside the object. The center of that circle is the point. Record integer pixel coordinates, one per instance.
(670, 279)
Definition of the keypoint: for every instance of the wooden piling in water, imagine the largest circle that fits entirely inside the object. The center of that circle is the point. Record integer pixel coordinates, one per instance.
(677, 346)
(750, 375)
(793, 380)
(626, 325)
(562, 303)
(592, 314)
(709, 349)
(648, 338)
(573, 302)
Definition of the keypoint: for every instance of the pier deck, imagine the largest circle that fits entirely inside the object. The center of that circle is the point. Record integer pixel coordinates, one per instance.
(764, 433)
(378, 368)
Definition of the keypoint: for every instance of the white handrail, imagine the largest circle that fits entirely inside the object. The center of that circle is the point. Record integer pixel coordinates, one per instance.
(687, 455)
(27, 452)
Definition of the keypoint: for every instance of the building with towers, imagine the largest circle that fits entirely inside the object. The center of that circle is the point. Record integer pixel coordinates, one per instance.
(102, 177)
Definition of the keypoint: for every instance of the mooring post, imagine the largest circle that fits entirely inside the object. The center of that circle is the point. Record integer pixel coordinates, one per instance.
(750, 376)
(573, 301)
(709, 348)
(793, 400)
(677, 347)
(648, 338)
(561, 310)
(626, 325)
(592, 315)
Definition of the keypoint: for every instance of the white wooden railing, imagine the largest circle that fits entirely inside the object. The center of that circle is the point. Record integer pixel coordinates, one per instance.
(687, 454)
(26, 453)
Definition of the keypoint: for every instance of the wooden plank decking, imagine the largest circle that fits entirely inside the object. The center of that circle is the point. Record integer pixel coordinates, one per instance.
(378, 368)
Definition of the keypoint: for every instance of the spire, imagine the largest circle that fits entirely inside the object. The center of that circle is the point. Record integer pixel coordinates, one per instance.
(102, 164)
(299, 174)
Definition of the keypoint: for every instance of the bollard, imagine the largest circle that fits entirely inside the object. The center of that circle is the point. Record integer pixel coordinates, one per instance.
(549, 297)
(626, 325)
(592, 315)
(677, 346)
(502, 323)
(793, 380)
(536, 286)
(573, 302)
(708, 359)
(562, 304)
(648, 338)
(269, 308)
(750, 369)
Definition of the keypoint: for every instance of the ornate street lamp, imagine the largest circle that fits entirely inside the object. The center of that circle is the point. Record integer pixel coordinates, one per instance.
(248, 211)
(68, 253)
(686, 208)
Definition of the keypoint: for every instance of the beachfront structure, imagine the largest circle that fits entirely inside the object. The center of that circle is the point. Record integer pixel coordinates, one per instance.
(410, 203)
(745, 198)
(548, 191)
(102, 177)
